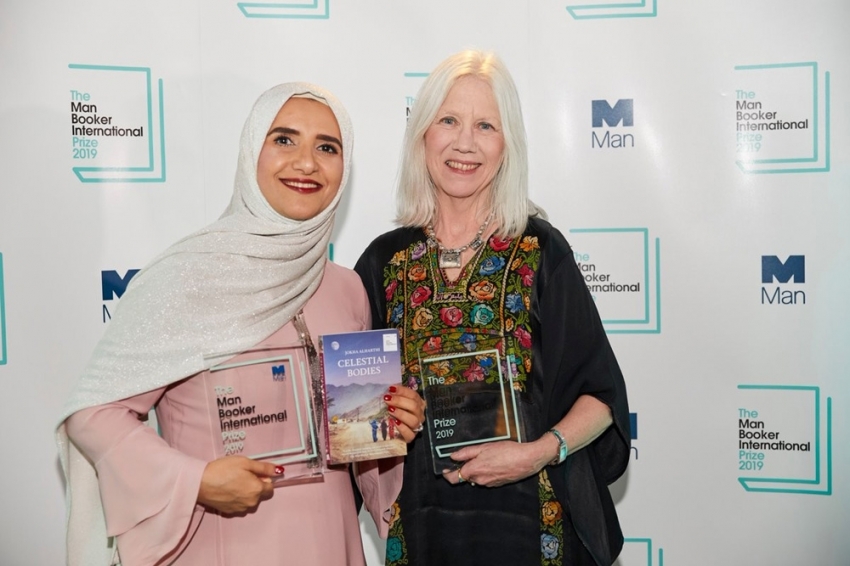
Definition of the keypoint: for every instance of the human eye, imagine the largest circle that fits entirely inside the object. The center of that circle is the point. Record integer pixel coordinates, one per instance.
(282, 139)
(487, 126)
(447, 120)
(329, 148)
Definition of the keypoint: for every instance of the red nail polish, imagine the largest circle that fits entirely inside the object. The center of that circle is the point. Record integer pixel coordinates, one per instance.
(398, 422)
(388, 397)
(393, 389)
(391, 409)
(278, 470)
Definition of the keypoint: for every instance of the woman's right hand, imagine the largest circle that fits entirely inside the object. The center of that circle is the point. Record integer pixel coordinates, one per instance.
(235, 484)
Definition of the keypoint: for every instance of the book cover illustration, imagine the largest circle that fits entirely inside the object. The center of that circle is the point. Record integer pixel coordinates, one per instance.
(358, 367)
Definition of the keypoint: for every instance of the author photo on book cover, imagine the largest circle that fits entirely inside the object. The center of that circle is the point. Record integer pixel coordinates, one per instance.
(475, 258)
(144, 498)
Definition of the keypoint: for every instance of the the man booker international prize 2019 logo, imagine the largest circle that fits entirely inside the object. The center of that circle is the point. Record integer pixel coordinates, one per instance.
(639, 552)
(117, 125)
(112, 286)
(605, 9)
(782, 118)
(292, 10)
(776, 274)
(412, 82)
(603, 114)
(3, 356)
(622, 270)
(784, 439)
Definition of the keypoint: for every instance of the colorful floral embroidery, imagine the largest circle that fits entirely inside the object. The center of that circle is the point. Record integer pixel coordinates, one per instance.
(490, 300)
(422, 318)
(451, 316)
(551, 523)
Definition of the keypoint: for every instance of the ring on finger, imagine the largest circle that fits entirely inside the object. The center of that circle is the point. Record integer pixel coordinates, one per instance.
(460, 477)
(418, 429)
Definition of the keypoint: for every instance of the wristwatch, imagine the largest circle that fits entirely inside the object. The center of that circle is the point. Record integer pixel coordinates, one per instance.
(562, 448)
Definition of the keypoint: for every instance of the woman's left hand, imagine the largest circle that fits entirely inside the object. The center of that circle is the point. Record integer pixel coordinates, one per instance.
(408, 410)
(496, 463)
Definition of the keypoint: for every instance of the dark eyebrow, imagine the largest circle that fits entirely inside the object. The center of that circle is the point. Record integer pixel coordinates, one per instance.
(282, 130)
(331, 139)
(293, 132)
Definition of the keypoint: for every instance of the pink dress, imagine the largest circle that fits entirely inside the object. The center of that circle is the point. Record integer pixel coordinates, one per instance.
(149, 484)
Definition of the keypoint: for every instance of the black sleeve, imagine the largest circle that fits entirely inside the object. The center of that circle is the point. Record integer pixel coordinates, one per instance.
(370, 268)
(577, 357)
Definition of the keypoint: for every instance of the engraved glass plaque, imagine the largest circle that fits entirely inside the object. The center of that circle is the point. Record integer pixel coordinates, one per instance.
(468, 385)
(263, 403)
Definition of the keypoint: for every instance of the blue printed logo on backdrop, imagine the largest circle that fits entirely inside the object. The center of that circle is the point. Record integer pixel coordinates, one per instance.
(638, 552)
(605, 9)
(633, 428)
(774, 271)
(295, 10)
(3, 356)
(622, 271)
(603, 114)
(784, 439)
(112, 286)
(782, 118)
(117, 125)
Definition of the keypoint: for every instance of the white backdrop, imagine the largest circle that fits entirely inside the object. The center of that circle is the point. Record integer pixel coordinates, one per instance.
(718, 243)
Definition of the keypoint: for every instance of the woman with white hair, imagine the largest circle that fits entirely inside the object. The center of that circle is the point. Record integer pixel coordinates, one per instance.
(475, 259)
(258, 278)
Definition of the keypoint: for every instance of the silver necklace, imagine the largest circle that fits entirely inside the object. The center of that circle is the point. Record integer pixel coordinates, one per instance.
(447, 258)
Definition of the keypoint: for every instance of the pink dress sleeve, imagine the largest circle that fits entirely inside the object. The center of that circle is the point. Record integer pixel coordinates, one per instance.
(379, 482)
(148, 489)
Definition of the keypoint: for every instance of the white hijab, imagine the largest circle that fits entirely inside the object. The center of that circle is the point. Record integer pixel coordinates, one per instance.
(219, 291)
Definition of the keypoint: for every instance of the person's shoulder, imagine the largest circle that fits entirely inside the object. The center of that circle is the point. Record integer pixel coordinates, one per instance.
(382, 248)
(341, 275)
(552, 242)
(397, 239)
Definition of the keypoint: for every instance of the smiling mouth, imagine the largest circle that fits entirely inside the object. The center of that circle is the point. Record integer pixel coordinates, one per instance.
(301, 185)
(462, 167)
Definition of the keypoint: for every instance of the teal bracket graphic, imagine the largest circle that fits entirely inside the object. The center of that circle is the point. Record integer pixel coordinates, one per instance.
(753, 166)
(413, 75)
(304, 10)
(649, 556)
(130, 174)
(646, 318)
(638, 9)
(3, 356)
(795, 485)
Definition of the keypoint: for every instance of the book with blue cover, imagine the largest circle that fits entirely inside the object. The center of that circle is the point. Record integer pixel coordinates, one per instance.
(358, 368)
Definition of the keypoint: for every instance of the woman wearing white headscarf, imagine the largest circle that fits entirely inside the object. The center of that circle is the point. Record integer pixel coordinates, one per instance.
(142, 499)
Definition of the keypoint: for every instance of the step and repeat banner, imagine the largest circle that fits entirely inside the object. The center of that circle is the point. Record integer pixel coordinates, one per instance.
(695, 154)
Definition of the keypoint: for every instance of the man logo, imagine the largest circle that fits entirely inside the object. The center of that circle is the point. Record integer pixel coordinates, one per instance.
(279, 373)
(633, 432)
(612, 116)
(113, 286)
(773, 269)
(623, 111)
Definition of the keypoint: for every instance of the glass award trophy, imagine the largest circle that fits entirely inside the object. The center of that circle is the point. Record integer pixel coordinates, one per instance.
(468, 385)
(266, 407)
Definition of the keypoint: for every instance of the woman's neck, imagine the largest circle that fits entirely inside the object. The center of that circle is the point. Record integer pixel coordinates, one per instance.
(458, 220)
